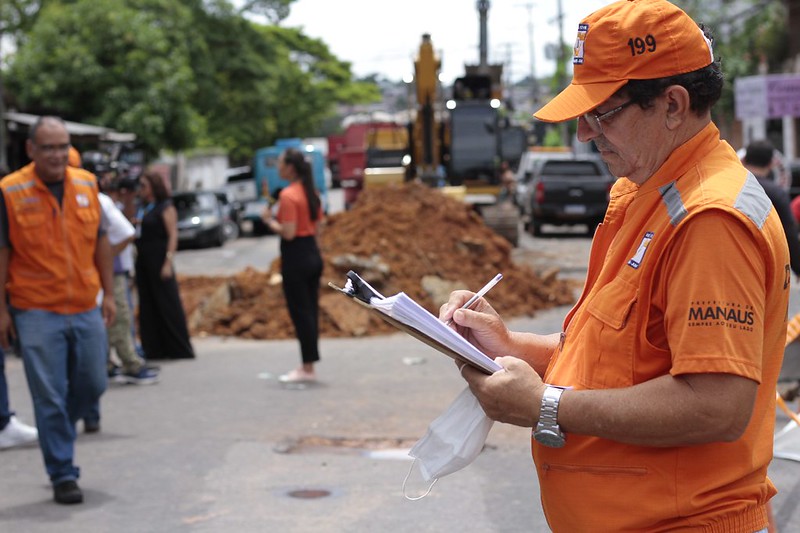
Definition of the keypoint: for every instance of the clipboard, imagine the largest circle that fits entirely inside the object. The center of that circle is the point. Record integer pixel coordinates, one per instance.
(439, 336)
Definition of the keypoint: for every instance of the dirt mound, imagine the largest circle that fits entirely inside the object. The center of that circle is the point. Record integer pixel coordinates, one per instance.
(411, 238)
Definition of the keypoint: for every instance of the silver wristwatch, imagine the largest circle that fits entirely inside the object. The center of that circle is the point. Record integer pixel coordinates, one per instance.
(547, 431)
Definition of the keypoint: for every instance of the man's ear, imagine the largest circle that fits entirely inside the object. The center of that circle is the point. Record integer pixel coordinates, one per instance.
(29, 148)
(678, 106)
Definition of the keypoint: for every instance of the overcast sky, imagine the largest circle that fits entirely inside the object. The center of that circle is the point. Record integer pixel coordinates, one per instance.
(383, 37)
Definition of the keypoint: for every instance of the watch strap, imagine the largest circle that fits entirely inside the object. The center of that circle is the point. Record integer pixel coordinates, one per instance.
(548, 412)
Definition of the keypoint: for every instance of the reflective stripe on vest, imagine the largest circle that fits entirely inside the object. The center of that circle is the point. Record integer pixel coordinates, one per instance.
(671, 197)
(22, 186)
(80, 181)
(751, 201)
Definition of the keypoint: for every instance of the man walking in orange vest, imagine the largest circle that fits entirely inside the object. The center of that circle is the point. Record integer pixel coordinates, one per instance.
(54, 259)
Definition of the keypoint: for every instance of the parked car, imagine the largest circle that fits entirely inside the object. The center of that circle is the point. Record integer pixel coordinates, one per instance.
(567, 192)
(526, 167)
(200, 219)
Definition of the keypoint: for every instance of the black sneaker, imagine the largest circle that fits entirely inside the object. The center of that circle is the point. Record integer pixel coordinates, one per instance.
(91, 426)
(115, 375)
(67, 492)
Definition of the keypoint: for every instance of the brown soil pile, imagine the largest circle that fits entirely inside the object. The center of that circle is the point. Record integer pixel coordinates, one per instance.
(410, 238)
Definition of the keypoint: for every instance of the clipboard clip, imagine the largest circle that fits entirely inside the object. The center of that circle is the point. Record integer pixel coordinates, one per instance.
(356, 287)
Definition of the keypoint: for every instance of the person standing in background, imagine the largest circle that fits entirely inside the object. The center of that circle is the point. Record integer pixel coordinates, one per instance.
(759, 160)
(134, 371)
(51, 216)
(125, 197)
(795, 207)
(508, 184)
(123, 192)
(121, 234)
(297, 223)
(12, 432)
(162, 320)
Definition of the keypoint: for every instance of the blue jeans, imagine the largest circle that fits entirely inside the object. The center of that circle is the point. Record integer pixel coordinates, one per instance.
(65, 363)
(5, 414)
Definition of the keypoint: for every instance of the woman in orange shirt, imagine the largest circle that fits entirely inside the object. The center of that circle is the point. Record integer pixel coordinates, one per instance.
(299, 212)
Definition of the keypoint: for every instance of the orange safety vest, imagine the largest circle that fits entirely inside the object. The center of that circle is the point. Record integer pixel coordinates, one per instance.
(595, 484)
(51, 264)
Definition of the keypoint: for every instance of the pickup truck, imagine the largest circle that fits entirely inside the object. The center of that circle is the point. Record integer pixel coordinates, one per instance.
(567, 192)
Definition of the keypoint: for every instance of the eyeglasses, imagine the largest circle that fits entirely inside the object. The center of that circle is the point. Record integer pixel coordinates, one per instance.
(48, 149)
(595, 121)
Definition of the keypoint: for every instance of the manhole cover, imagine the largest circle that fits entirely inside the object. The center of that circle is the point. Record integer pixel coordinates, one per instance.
(309, 494)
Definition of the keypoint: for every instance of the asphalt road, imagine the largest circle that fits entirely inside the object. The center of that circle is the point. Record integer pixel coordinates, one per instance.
(220, 445)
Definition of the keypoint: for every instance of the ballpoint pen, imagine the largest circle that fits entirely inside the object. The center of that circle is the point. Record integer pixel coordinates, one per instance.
(486, 288)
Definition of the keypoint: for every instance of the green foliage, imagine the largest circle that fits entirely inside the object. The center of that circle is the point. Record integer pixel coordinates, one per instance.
(179, 73)
(17, 15)
(259, 83)
(552, 138)
(123, 64)
(746, 34)
(762, 38)
(310, 80)
(236, 87)
(274, 10)
(560, 78)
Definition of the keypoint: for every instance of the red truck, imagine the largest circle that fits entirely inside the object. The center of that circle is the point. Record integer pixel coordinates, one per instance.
(377, 150)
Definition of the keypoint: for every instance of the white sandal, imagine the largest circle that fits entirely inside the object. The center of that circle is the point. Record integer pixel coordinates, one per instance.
(297, 376)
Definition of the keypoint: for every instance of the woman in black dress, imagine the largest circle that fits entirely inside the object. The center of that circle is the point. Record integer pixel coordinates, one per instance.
(162, 321)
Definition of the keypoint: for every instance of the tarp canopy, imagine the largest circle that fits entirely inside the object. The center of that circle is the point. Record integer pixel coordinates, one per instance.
(75, 129)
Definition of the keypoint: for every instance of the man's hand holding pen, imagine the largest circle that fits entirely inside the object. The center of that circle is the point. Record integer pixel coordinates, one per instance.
(464, 301)
(512, 396)
(480, 324)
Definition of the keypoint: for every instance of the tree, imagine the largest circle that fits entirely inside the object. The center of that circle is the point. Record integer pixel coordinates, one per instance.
(259, 82)
(310, 80)
(748, 36)
(181, 74)
(274, 10)
(15, 17)
(122, 64)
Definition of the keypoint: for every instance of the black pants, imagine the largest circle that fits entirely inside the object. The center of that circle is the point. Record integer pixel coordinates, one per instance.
(301, 269)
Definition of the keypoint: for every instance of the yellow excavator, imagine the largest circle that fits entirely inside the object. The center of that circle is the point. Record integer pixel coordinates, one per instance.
(460, 143)
(428, 127)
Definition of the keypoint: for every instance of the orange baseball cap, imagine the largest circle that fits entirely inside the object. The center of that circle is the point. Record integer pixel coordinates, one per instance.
(627, 40)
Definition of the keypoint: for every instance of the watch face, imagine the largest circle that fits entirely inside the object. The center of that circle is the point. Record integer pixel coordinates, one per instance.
(549, 438)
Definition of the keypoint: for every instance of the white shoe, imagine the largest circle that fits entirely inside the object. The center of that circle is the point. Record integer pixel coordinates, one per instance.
(17, 434)
(298, 376)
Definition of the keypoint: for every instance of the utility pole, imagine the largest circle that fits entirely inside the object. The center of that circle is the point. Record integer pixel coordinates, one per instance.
(483, 12)
(509, 81)
(561, 69)
(532, 51)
